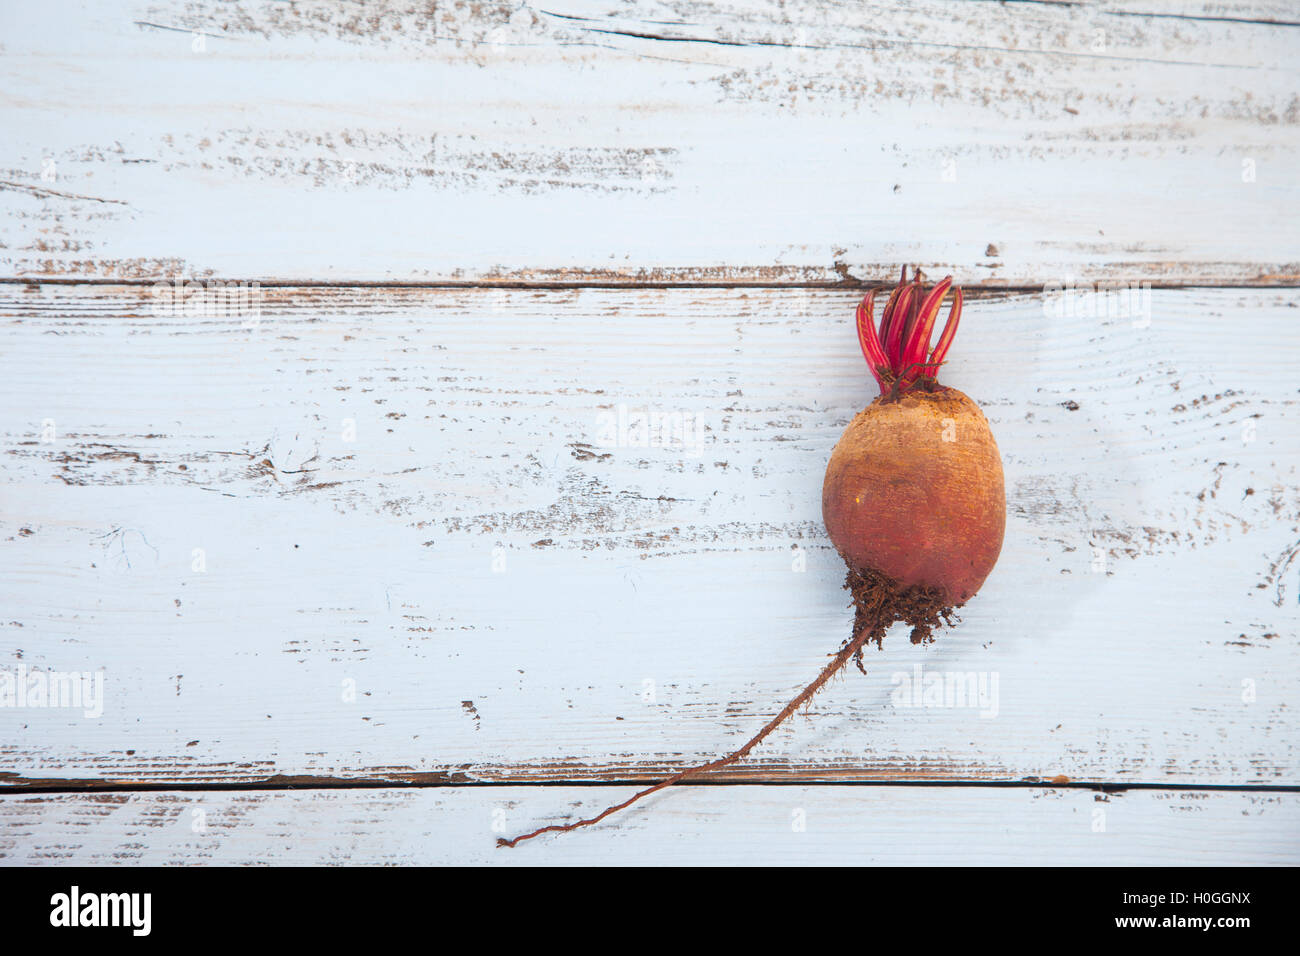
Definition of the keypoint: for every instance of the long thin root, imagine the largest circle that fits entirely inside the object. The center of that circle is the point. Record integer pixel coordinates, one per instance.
(850, 650)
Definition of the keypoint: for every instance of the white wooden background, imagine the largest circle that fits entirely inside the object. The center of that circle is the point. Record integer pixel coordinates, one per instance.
(477, 229)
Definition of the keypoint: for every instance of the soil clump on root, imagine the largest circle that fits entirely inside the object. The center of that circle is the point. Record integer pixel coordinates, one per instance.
(878, 602)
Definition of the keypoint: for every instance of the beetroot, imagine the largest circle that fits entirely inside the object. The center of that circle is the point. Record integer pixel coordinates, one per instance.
(913, 498)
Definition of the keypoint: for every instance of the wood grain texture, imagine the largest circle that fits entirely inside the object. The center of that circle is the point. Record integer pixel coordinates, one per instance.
(841, 825)
(647, 607)
(397, 524)
(1010, 143)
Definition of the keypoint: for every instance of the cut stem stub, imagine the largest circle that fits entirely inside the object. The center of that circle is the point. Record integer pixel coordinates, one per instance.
(896, 351)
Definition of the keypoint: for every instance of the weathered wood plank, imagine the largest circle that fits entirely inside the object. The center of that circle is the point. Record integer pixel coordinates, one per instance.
(515, 595)
(827, 825)
(1011, 143)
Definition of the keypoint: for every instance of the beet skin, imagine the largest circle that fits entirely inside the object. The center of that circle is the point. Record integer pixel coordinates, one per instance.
(914, 492)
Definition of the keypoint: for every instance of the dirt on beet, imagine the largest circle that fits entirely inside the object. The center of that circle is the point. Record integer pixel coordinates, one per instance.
(878, 602)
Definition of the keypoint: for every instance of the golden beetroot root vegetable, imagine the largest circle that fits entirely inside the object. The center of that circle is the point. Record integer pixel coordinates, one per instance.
(913, 498)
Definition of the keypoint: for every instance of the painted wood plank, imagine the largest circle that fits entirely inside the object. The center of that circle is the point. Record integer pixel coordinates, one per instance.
(736, 141)
(491, 582)
(795, 825)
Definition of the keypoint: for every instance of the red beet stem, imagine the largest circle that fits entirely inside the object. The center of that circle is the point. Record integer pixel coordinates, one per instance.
(919, 344)
(913, 313)
(907, 324)
(887, 316)
(892, 317)
(899, 326)
(870, 342)
(945, 339)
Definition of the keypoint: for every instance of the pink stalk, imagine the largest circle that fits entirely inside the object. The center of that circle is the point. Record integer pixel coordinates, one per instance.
(872, 350)
(919, 343)
(945, 340)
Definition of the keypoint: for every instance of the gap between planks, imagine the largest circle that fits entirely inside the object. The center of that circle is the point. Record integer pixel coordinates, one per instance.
(977, 288)
(439, 781)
